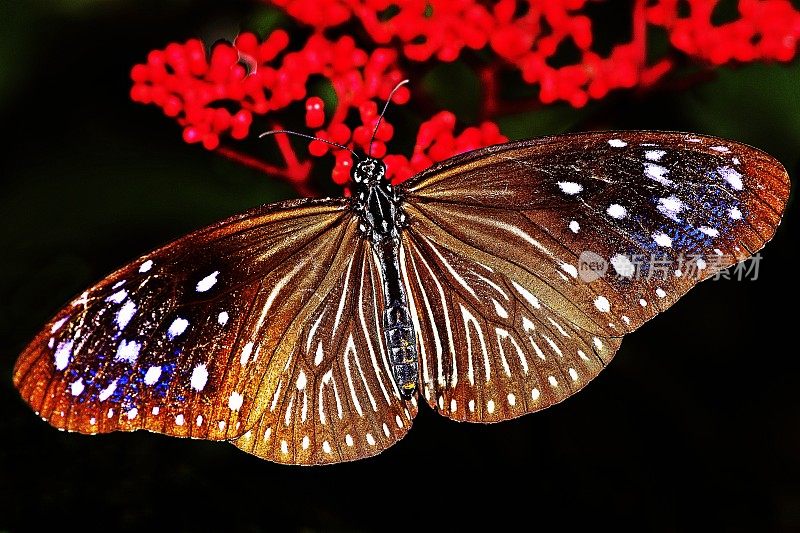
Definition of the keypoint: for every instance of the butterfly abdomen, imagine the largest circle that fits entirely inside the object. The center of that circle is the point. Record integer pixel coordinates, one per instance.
(398, 329)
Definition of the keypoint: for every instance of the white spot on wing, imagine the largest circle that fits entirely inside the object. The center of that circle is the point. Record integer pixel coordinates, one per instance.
(301, 381)
(128, 351)
(207, 282)
(319, 355)
(106, 393)
(734, 213)
(77, 387)
(246, 351)
(617, 143)
(57, 325)
(146, 266)
(662, 239)
(732, 176)
(570, 269)
(623, 265)
(125, 314)
(63, 354)
(574, 226)
(177, 327)
(235, 401)
(670, 206)
(602, 304)
(199, 377)
(616, 211)
(657, 173)
(118, 296)
(570, 187)
(711, 232)
(152, 375)
(660, 293)
(530, 298)
(222, 318)
(654, 155)
(499, 309)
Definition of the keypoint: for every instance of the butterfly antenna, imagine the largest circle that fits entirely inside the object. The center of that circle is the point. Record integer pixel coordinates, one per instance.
(380, 118)
(343, 147)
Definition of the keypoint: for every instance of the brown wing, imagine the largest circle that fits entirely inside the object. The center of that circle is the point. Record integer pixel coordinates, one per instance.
(335, 398)
(189, 340)
(492, 252)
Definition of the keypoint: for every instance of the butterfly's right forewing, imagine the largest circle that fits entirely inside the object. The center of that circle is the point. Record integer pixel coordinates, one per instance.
(191, 339)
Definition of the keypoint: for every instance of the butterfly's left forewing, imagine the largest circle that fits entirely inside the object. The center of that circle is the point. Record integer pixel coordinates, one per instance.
(527, 262)
(190, 340)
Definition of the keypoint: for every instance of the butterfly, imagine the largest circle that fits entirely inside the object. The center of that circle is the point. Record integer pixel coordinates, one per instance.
(307, 331)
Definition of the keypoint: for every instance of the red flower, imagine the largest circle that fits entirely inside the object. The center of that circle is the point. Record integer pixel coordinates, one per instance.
(217, 95)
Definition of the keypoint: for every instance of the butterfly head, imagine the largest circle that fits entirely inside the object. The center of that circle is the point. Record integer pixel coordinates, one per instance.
(369, 171)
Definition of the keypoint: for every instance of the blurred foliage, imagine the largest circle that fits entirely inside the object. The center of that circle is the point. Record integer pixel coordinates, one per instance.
(694, 426)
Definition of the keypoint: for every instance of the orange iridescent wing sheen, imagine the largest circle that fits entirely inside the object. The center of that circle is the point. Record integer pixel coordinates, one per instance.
(506, 322)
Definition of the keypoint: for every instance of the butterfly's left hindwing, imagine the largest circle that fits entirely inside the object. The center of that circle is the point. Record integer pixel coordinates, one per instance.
(189, 339)
(335, 398)
(529, 261)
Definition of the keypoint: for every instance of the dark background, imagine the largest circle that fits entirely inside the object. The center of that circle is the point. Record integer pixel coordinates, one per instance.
(694, 425)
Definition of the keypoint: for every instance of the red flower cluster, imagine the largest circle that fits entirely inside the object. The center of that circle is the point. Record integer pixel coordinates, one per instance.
(260, 78)
(218, 94)
(766, 29)
(526, 35)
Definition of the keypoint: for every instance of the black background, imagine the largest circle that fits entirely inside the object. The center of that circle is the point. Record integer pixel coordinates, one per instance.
(694, 425)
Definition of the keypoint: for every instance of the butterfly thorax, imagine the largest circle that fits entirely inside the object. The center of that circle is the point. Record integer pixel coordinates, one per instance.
(376, 202)
(379, 208)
